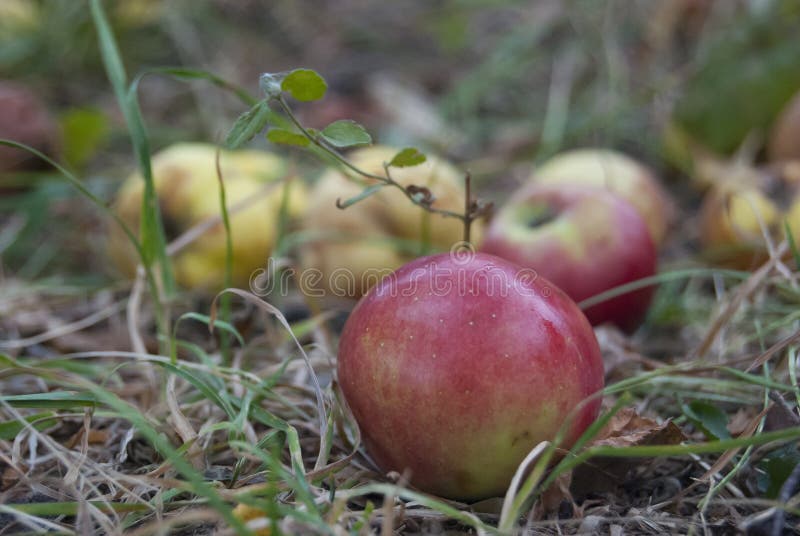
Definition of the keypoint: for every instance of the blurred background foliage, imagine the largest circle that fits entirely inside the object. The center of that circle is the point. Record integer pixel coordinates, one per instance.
(494, 85)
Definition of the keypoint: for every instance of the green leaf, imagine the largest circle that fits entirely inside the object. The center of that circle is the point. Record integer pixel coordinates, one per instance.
(286, 137)
(304, 85)
(346, 133)
(53, 400)
(711, 420)
(758, 58)
(248, 125)
(775, 468)
(365, 193)
(85, 130)
(408, 157)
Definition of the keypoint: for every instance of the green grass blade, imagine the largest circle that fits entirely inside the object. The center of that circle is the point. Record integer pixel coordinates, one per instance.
(152, 232)
(53, 400)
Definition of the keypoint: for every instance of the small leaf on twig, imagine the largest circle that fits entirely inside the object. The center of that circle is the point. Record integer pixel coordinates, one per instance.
(286, 137)
(346, 133)
(365, 193)
(304, 85)
(408, 157)
(248, 125)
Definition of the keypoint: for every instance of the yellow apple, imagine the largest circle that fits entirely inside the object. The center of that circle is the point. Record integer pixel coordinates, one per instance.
(187, 187)
(733, 224)
(617, 172)
(385, 230)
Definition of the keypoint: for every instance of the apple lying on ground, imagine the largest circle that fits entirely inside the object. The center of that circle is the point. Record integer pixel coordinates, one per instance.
(456, 366)
(740, 215)
(617, 172)
(585, 240)
(355, 246)
(187, 187)
(25, 119)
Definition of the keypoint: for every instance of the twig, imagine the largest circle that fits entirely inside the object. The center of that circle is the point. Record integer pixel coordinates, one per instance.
(473, 210)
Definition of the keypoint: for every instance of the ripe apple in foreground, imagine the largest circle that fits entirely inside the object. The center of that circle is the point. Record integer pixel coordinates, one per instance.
(585, 240)
(457, 365)
(617, 172)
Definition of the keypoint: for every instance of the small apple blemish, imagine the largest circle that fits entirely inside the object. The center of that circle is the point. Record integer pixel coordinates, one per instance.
(471, 323)
(494, 315)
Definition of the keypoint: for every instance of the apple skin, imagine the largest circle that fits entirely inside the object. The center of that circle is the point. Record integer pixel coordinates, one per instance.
(594, 241)
(458, 386)
(620, 174)
(187, 187)
(382, 232)
(732, 223)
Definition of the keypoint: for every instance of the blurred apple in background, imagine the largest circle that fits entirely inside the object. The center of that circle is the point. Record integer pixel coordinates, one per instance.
(586, 240)
(740, 214)
(380, 233)
(618, 173)
(187, 187)
(456, 366)
(24, 118)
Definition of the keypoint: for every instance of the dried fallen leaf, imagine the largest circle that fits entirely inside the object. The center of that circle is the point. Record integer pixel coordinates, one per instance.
(96, 437)
(553, 497)
(626, 429)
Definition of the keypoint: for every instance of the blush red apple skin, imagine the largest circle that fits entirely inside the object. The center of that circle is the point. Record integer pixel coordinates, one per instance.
(594, 241)
(456, 377)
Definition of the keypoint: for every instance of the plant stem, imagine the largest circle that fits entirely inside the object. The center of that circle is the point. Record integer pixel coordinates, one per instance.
(387, 179)
(467, 207)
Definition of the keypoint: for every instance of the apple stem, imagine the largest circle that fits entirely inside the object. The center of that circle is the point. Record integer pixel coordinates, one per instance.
(467, 207)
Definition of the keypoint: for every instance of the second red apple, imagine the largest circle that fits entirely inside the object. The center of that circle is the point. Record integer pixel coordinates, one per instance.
(585, 240)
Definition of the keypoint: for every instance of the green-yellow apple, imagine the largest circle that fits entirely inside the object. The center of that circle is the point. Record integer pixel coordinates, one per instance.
(617, 172)
(586, 240)
(382, 232)
(187, 187)
(457, 365)
(733, 224)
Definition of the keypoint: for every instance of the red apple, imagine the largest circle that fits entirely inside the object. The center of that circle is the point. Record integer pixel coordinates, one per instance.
(585, 240)
(618, 173)
(455, 367)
